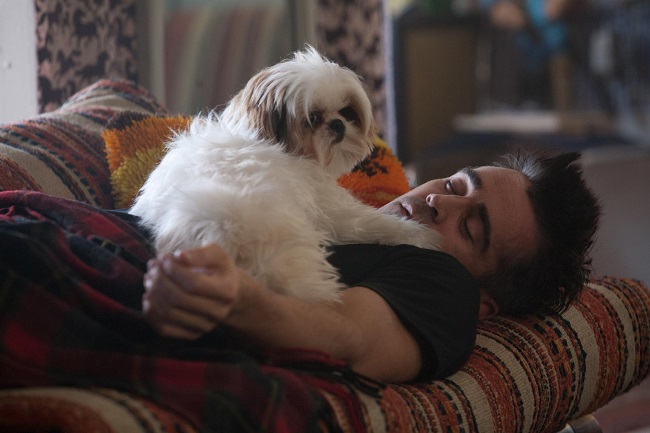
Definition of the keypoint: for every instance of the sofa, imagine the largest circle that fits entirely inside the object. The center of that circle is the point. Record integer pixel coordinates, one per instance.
(526, 374)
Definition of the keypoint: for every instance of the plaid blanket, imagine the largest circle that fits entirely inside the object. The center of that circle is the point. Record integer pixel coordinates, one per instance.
(70, 298)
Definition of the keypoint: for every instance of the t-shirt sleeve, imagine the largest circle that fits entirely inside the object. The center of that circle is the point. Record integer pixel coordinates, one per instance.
(434, 296)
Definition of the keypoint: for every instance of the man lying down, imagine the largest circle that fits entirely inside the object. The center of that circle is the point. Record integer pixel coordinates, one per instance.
(85, 302)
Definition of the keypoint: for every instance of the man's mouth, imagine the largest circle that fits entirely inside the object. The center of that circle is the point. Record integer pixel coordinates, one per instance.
(406, 210)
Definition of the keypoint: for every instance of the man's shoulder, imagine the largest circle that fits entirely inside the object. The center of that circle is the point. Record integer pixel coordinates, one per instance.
(356, 262)
(381, 252)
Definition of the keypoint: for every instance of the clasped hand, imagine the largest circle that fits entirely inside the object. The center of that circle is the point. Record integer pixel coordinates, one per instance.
(190, 293)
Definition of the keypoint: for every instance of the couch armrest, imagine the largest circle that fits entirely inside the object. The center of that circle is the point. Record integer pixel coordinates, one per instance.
(62, 153)
(536, 373)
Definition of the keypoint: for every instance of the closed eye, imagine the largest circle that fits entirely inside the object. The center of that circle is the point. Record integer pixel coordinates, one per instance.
(465, 228)
(449, 187)
(349, 114)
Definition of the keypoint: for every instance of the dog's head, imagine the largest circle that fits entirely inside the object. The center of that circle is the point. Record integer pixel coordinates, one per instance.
(312, 106)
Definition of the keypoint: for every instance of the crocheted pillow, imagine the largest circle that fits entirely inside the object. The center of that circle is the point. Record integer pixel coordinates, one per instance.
(135, 144)
(62, 152)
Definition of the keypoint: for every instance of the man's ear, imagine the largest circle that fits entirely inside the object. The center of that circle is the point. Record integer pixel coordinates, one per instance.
(488, 307)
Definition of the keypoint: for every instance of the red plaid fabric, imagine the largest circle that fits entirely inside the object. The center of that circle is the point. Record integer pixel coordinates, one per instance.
(70, 297)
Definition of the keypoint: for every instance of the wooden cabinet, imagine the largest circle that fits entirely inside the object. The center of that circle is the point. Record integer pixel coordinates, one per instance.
(435, 77)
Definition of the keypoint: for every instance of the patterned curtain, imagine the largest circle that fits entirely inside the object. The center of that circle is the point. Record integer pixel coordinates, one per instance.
(352, 34)
(80, 42)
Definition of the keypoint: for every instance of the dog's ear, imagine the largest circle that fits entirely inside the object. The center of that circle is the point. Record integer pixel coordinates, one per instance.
(271, 121)
(263, 99)
(278, 123)
(361, 105)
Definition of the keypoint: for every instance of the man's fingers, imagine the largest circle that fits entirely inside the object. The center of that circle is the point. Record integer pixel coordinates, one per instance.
(174, 322)
(209, 256)
(166, 295)
(190, 293)
(217, 281)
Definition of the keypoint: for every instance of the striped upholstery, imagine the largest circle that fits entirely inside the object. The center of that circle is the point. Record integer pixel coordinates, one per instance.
(62, 152)
(535, 373)
(525, 375)
(528, 374)
(73, 410)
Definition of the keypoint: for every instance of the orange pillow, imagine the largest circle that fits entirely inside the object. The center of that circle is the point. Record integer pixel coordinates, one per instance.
(135, 144)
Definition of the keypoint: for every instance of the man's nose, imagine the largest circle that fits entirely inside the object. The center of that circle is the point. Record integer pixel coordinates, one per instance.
(442, 205)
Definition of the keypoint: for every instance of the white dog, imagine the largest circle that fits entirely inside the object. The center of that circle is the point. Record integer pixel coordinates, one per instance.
(261, 179)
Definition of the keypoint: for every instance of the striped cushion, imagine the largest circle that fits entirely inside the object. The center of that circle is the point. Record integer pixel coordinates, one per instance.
(532, 374)
(62, 152)
(74, 410)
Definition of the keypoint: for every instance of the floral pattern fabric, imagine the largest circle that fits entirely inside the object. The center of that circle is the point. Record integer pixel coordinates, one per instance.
(352, 34)
(80, 42)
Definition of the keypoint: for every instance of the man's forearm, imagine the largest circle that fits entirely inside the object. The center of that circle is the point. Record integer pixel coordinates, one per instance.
(361, 330)
(191, 293)
(269, 319)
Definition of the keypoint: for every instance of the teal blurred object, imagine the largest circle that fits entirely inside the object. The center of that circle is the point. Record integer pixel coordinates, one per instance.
(438, 7)
(541, 38)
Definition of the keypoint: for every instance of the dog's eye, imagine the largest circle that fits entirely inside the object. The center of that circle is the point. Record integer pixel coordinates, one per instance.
(315, 119)
(349, 114)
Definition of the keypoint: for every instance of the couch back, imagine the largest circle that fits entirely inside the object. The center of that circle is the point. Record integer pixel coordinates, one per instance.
(62, 152)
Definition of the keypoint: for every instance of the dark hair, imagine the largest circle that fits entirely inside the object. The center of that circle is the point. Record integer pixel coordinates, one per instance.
(567, 215)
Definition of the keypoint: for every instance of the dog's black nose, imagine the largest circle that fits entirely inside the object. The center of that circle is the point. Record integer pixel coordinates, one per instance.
(338, 127)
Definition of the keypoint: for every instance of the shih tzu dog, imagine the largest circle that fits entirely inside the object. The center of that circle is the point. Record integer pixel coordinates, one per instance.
(260, 179)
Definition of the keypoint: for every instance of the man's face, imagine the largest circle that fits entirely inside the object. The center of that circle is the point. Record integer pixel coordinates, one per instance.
(480, 213)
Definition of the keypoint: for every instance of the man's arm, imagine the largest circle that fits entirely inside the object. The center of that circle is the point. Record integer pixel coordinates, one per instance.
(192, 293)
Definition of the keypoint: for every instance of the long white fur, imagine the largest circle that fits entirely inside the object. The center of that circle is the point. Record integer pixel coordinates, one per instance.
(273, 205)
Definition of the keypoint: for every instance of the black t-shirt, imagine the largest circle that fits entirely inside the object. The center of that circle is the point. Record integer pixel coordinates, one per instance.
(434, 296)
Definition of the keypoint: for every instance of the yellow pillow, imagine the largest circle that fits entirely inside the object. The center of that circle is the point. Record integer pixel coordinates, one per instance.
(135, 144)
